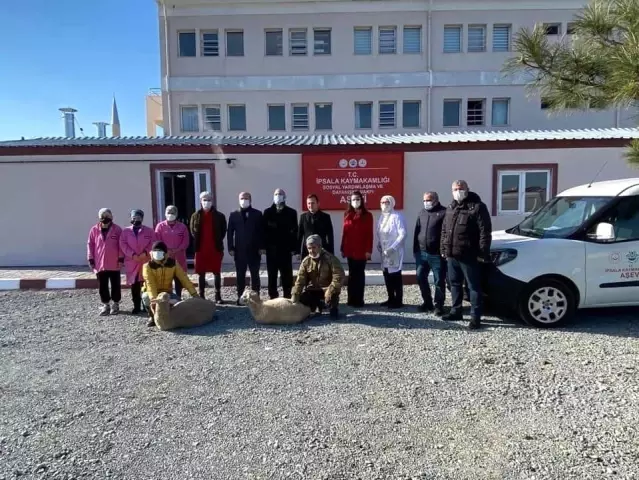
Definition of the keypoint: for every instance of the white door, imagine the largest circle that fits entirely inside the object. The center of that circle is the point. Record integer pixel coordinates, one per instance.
(202, 183)
(612, 269)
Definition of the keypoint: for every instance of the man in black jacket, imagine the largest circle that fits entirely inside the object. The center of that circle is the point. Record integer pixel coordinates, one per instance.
(315, 222)
(426, 247)
(466, 238)
(280, 242)
(245, 239)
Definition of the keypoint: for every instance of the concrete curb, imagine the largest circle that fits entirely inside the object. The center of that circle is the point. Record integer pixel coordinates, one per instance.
(92, 283)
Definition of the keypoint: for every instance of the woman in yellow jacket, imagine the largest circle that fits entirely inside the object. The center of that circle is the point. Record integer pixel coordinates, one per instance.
(158, 275)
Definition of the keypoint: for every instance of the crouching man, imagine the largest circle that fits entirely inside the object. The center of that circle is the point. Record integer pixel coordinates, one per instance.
(159, 275)
(319, 280)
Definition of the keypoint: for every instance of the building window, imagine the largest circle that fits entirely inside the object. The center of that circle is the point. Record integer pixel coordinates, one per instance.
(452, 113)
(297, 41)
(363, 40)
(323, 116)
(552, 28)
(387, 114)
(234, 43)
(300, 117)
(477, 38)
(452, 38)
(274, 43)
(570, 28)
(186, 44)
(237, 118)
(364, 115)
(213, 118)
(210, 44)
(276, 117)
(500, 113)
(322, 41)
(475, 113)
(189, 121)
(411, 113)
(501, 38)
(387, 40)
(522, 189)
(412, 40)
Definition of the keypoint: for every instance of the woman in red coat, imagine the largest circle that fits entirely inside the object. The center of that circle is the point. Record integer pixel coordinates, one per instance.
(357, 246)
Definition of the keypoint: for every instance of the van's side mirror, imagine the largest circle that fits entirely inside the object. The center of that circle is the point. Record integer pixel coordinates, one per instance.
(605, 232)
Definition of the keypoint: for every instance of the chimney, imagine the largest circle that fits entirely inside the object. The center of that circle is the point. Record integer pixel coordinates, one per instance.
(101, 129)
(115, 120)
(69, 121)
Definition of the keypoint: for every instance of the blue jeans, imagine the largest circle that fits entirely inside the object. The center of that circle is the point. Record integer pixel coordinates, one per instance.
(426, 263)
(470, 271)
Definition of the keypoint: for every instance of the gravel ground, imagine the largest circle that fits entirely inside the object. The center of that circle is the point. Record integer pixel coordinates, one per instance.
(375, 395)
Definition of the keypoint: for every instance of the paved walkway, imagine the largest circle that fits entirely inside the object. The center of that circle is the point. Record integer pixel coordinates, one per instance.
(24, 278)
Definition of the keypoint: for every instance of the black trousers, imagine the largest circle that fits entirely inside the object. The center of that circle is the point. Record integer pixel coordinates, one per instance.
(253, 265)
(136, 294)
(201, 280)
(356, 282)
(395, 287)
(279, 263)
(105, 278)
(315, 298)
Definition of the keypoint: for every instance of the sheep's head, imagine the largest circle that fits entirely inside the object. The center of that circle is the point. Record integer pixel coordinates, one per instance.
(250, 296)
(163, 298)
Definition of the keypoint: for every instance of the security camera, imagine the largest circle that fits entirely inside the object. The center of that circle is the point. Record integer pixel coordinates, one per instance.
(230, 162)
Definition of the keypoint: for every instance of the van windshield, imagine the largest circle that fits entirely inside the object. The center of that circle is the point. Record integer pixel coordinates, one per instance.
(561, 217)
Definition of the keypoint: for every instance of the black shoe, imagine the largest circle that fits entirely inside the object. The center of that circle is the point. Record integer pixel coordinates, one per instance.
(424, 307)
(237, 302)
(439, 311)
(475, 324)
(150, 323)
(334, 313)
(385, 304)
(395, 305)
(452, 316)
(218, 298)
(201, 293)
(136, 310)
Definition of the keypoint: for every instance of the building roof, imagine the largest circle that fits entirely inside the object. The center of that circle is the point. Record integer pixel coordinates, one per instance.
(489, 140)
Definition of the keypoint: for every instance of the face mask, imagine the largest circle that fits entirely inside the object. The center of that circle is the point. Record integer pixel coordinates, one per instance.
(459, 195)
(386, 208)
(277, 199)
(244, 203)
(428, 205)
(170, 217)
(157, 255)
(136, 223)
(207, 205)
(356, 203)
(106, 220)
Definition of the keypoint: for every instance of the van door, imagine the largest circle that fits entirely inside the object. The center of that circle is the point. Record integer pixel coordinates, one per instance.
(612, 268)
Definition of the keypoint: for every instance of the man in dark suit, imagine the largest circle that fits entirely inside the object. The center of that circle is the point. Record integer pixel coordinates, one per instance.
(315, 222)
(246, 243)
(280, 238)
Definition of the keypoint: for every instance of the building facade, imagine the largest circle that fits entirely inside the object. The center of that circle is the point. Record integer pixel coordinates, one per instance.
(355, 67)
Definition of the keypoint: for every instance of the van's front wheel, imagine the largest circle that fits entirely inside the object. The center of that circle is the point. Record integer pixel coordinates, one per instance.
(547, 303)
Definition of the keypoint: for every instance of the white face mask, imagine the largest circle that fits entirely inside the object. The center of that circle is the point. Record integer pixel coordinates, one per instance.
(428, 205)
(157, 255)
(385, 208)
(356, 203)
(207, 204)
(171, 217)
(244, 203)
(460, 195)
(277, 199)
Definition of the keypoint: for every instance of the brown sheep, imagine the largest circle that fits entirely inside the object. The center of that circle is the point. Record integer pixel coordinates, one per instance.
(277, 311)
(192, 312)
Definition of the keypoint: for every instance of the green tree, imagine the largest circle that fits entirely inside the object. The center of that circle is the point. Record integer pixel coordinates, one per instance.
(597, 66)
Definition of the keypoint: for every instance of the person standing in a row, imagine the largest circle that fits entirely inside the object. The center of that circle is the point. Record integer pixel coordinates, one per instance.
(356, 247)
(136, 242)
(246, 243)
(280, 242)
(391, 233)
(208, 227)
(175, 237)
(427, 251)
(315, 222)
(105, 259)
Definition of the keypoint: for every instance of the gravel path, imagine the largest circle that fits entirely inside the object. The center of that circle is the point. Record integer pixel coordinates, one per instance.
(376, 395)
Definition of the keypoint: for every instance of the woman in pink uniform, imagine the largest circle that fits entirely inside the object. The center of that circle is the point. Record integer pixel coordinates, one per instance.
(135, 243)
(176, 237)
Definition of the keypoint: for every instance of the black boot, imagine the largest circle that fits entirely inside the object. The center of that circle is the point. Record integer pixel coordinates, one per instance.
(218, 297)
(202, 284)
(398, 291)
(475, 324)
(334, 313)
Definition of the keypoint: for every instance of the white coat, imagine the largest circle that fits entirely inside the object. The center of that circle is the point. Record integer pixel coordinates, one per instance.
(391, 236)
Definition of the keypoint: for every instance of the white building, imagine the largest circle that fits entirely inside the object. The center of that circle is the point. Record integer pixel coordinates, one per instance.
(340, 66)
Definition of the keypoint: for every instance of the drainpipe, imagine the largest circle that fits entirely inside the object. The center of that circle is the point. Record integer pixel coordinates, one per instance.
(167, 64)
(617, 117)
(429, 61)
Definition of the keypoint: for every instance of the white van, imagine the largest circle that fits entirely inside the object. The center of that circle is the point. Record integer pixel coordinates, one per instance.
(580, 250)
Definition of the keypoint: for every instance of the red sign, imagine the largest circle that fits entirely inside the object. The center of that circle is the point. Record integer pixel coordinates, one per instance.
(334, 176)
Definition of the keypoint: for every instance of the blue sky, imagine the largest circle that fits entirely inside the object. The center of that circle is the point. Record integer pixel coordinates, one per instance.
(76, 53)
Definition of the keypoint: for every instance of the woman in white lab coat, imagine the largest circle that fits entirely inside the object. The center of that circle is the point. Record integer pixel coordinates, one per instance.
(391, 233)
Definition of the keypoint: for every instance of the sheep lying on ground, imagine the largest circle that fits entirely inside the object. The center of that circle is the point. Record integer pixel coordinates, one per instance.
(278, 311)
(192, 312)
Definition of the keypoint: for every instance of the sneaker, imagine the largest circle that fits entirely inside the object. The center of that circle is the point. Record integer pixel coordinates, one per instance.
(452, 316)
(115, 308)
(105, 310)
